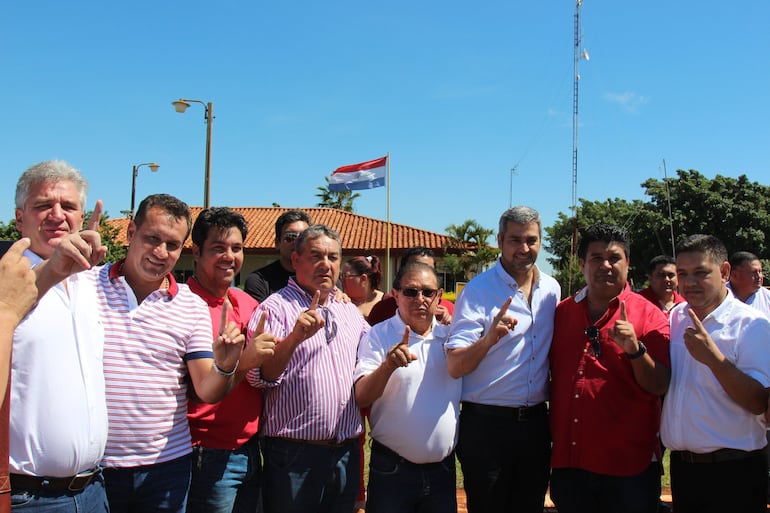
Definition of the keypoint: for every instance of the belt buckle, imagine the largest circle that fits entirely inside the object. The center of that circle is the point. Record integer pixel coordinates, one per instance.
(522, 413)
(79, 482)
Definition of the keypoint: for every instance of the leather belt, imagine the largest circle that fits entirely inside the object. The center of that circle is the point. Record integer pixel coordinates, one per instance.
(390, 453)
(54, 484)
(718, 456)
(322, 443)
(519, 414)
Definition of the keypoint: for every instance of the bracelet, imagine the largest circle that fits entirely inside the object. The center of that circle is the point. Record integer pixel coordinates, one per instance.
(639, 353)
(223, 373)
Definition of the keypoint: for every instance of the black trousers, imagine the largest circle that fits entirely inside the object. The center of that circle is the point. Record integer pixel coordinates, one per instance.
(505, 461)
(736, 485)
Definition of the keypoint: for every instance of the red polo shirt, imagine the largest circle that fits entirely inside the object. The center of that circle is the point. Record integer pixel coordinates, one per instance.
(601, 419)
(231, 422)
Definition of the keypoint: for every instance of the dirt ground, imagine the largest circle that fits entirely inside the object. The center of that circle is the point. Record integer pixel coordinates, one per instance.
(549, 507)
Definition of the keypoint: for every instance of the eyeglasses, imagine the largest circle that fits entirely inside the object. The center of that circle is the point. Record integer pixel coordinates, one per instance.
(349, 275)
(592, 332)
(426, 293)
(330, 325)
(290, 236)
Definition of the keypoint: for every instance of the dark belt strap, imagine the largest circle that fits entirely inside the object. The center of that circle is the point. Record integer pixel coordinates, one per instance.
(322, 443)
(53, 484)
(390, 453)
(518, 414)
(718, 456)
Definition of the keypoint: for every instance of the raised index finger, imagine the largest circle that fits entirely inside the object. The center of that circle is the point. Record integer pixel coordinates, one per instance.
(96, 216)
(260, 329)
(695, 320)
(224, 316)
(502, 312)
(623, 316)
(405, 338)
(316, 299)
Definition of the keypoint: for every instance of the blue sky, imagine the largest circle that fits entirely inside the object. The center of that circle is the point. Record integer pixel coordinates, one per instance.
(457, 92)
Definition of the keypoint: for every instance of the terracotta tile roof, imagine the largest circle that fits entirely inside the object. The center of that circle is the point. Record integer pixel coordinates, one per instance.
(358, 233)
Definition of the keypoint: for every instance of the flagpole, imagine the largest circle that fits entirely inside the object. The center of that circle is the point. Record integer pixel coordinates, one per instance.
(388, 281)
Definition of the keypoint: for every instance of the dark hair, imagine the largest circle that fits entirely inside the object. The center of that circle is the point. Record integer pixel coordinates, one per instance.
(370, 266)
(313, 232)
(739, 258)
(289, 217)
(605, 233)
(173, 206)
(411, 267)
(660, 260)
(416, 251)
(519, 215)
(217, 217)
(706, 244)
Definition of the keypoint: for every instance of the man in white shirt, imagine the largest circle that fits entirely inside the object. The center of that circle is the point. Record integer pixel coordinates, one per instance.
(504, 444)
(746, 281)
(58, 426)
(720, 371)
(402, 374)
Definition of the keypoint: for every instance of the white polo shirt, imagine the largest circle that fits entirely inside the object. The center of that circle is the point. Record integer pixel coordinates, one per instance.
(417, 414)
(58, 423)
(698, 415)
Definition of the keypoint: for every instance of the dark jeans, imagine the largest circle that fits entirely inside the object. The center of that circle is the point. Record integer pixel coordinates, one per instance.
(505, 462)
(225, 481)
(92, 499)
(157, 488)
(399, 486)
(303, 478)
(736, 485)
(575, 490)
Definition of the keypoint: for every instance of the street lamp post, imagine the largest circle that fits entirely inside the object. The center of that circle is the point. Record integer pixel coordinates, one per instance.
(153, 167)
(180, 106)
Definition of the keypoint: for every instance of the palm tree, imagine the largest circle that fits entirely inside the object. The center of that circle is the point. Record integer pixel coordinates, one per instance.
(472, 236)
(342, 200)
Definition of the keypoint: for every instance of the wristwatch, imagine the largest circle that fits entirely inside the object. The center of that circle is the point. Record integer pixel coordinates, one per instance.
(639, 353)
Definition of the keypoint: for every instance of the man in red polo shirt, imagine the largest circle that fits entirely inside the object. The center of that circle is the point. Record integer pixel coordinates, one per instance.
(609, 367)
(226, 462)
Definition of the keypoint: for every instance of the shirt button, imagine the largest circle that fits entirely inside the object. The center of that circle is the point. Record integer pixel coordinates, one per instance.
(580, 373)
(574, 443)
(575, 420)
(577, 396)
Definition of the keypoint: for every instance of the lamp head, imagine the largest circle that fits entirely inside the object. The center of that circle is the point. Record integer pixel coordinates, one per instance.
(153, 167)
(180, 105)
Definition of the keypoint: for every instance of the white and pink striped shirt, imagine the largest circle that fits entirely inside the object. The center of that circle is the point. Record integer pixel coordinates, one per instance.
(146, 347)
(313, 398)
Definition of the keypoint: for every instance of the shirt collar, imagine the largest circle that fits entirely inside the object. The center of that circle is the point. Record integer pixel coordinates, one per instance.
(116, 271)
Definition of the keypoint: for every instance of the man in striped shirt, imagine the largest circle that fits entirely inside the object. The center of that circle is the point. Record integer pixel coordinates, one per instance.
(310, 422)
(157, 333)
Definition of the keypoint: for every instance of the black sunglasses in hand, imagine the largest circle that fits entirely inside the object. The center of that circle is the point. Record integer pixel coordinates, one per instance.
(592, 332)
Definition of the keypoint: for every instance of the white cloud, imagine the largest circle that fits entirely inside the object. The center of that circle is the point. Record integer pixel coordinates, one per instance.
(629, 101)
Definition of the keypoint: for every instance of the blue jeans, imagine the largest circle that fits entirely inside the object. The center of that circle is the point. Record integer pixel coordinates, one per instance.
(225, 481)
(575, 491)
(397, 485)
(161, 487)
(301, 477)
(92, 499)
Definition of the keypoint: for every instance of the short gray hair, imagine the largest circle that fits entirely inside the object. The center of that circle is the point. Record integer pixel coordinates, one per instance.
(519, 215)
(313, 232)
(50, 171)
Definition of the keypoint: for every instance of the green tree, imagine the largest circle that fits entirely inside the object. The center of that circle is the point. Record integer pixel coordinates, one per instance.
(342, 200)
(9, 231)
(734, 210)
(476, 253)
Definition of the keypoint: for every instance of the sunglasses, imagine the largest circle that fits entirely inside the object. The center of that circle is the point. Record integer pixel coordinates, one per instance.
(426, 293)
(290, 236)
(592, 332)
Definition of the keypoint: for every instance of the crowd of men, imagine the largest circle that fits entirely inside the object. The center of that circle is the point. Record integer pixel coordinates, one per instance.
(130, 392)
